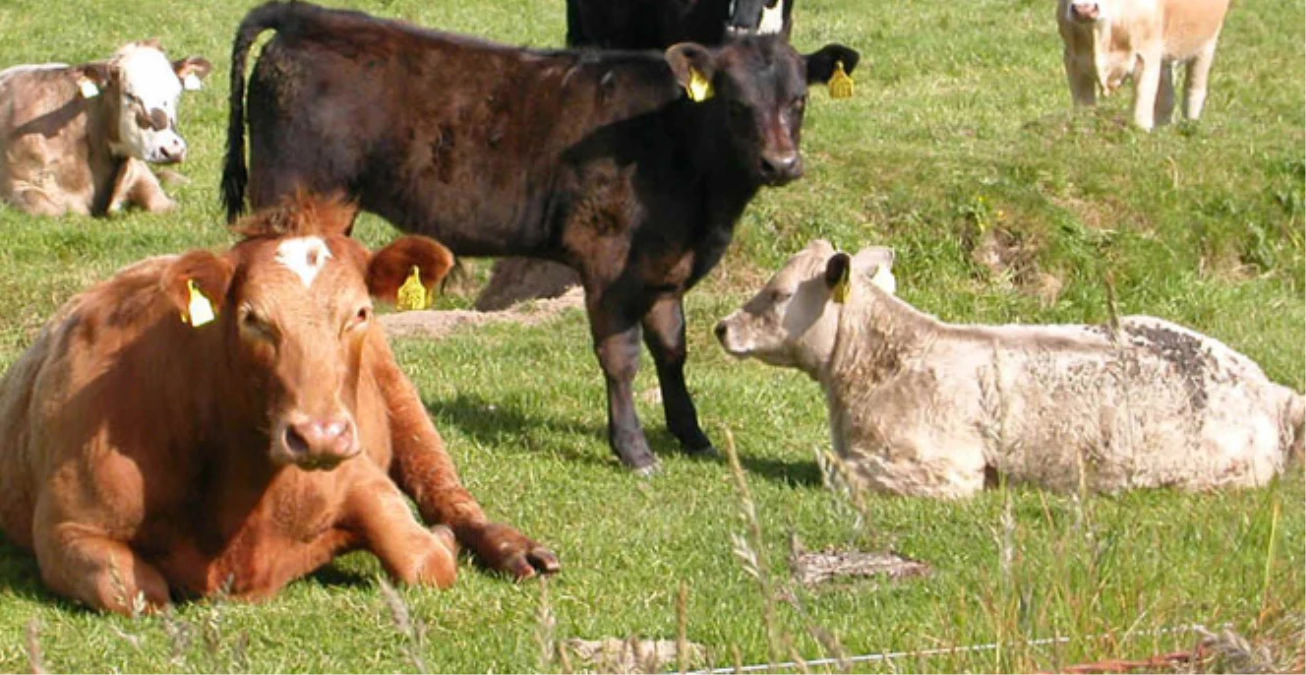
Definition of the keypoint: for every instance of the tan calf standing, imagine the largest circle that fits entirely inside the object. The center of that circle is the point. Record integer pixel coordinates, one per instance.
(1107, 40)
(146, 450)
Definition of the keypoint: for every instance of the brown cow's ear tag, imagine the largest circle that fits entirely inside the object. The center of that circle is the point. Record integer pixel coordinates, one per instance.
(412, 295)
(88, 88)
(841, 83)
(699, 87)
(843, 287)
(199, 310)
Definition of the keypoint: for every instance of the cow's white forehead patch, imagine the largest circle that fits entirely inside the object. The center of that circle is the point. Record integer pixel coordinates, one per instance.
(148, 75)
(773, 19)
(305, 256)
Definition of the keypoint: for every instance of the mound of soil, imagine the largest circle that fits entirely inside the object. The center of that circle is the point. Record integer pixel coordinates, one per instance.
(513, 280)
(440, 323)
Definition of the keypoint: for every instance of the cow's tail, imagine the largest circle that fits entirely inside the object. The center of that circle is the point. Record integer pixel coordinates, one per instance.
(235, 176)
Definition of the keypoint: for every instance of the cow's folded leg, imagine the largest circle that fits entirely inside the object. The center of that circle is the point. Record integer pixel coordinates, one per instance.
(425, 472)
(664, 333)
(137, 184)
(409, 552)
(82, 563)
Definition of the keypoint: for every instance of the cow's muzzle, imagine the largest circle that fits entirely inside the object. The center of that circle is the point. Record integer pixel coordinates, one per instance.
(316, 444)
(781, 168)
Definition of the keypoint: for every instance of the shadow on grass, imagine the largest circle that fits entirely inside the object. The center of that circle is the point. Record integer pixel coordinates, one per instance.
(503, 424)
(799, 473)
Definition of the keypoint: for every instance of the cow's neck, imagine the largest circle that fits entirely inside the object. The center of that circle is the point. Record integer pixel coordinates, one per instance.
(105, 153)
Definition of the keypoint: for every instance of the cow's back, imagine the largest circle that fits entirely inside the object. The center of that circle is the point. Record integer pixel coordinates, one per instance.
(44, 159)
(1192, 24)
(56, 397)
(1156, 405)
(441, 134)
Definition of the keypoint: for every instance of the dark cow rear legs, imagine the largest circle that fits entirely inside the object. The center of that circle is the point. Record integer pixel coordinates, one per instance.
(664, 333)
(618, 354)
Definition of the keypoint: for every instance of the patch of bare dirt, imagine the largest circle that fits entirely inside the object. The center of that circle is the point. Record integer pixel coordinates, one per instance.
(1012, 260)
(441, 323)
(513, 280)
(816, 567)
(613, 655)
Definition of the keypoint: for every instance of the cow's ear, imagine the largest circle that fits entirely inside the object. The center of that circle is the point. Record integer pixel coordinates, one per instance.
(694, 67)
(191, 70)
(838, 275)
(197, 284)
(91, 78)
(876, 262)
(392, 265)
(821, 64)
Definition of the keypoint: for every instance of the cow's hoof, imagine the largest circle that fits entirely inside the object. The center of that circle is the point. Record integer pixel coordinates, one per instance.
(707, 452)
(648, 470)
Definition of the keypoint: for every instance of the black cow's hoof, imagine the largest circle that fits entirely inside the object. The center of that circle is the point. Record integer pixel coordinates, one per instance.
(706, 452)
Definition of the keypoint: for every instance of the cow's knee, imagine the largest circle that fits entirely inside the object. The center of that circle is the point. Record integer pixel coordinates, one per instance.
(100, 572)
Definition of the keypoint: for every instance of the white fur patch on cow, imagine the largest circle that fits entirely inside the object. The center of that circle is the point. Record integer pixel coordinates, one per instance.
(884, 278)
(305, 256)
(773, 19)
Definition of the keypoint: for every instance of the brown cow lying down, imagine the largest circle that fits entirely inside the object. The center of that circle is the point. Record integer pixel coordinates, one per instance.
(1109, 40)
(76, 138)
(144, 453)
(922, 407)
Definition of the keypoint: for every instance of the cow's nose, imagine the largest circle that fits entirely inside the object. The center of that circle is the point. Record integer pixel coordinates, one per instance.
(173, 151)
(780, 168)
(1085, 10)
(322, 443)
(720, 331)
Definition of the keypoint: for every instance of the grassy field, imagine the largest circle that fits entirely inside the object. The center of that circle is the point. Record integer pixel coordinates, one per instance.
(961, 151)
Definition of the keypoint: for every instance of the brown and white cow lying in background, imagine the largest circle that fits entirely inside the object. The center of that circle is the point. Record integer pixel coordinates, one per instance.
(922, 407)
(143, 453)
(1108, 40)
(75, 138)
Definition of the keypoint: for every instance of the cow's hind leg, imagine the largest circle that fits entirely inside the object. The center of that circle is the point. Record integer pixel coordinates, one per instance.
(1199, 72)
(664, 334)
(79, 562)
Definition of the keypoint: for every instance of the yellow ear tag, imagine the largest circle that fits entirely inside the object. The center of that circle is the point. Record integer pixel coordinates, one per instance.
(841, 84)
(199, 310)
(699, 87)
(88, 88)
(412, 295)
(844, 286)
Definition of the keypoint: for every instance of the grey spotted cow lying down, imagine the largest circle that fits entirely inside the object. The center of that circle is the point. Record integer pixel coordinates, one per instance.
(922, 407)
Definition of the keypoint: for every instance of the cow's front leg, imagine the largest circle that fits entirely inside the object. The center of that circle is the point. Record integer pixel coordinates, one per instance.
(1145, 90)
(426, 473)
(1199, 72)
(410, 553)
(136, 184)
(616, 343)
(664, 333)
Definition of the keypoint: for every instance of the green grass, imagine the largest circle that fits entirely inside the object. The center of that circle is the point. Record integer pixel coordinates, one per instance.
(961, 127)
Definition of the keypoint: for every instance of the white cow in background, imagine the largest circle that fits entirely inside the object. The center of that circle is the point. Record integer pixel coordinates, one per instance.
(1107, 40)
(922, 407)
(76, 138)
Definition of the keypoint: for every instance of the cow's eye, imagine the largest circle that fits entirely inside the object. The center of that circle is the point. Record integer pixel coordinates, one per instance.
(779, 296)
(256, 326)
(798, 104)
(740, 112)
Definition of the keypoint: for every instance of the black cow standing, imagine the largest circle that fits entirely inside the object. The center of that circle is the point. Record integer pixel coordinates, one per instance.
(658, 24)
(598, 160)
